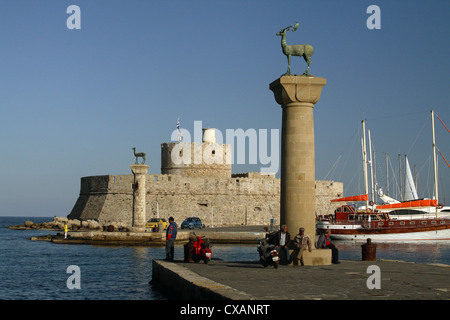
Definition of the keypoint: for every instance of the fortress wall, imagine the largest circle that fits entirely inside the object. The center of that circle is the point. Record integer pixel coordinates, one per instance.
(216, 201)
(104, 198)
(325, 192)
(245, 199)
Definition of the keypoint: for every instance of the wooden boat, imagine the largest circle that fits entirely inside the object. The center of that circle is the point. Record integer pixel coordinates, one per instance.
(413, 220)
(348, 224)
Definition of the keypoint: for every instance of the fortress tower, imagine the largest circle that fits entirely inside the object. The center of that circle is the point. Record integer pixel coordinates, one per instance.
(208, 159)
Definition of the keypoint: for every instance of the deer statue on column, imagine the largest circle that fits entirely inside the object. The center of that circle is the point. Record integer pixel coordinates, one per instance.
(300, 50)
(139, 155)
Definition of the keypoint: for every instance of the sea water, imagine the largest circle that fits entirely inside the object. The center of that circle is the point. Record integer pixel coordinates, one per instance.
(39, 270)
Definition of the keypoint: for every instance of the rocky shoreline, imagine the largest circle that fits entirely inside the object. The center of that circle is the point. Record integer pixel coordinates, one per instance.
(57, 224)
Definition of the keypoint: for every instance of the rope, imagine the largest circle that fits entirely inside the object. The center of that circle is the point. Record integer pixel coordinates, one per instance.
(420, 133)
(443, 157)
(333, 167)
(443, 125)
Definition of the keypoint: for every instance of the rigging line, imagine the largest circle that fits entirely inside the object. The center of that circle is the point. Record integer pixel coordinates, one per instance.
(349, 153)
(395, 183)
(397, 115)
(443, 157)
(419, 172)
(442, 123)
(333, 167)
(415, 141)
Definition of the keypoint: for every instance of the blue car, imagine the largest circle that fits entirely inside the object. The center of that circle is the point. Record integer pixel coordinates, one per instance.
(191, 223)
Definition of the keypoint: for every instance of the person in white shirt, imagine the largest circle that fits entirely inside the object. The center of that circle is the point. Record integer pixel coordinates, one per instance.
(282, 241)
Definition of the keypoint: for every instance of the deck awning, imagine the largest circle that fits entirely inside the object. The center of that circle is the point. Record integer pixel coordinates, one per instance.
(362, 197)
(410, 204)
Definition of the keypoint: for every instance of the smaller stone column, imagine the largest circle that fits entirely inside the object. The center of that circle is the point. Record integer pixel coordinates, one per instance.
(139, 193)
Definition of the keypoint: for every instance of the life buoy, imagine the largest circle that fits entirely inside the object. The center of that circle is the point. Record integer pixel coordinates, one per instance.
(371, 203)
(439, 206)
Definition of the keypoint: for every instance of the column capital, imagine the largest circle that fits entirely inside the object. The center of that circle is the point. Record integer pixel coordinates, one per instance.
(297, 90)
(139, 168)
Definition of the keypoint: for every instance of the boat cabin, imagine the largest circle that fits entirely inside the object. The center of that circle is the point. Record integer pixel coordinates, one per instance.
(350, 213)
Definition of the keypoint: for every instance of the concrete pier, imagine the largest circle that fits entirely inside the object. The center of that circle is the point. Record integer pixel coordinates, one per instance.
(249, 280)
(228, 235)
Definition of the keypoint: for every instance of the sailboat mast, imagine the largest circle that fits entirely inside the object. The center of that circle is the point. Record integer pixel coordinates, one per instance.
(400, 175)
(366, 183)
(371, 167)
(387, 174)
(434, 161)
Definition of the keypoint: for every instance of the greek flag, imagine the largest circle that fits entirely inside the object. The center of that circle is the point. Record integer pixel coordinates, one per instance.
(178, 124)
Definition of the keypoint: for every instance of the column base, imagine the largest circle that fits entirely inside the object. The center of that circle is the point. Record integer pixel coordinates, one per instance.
(317, 257)
(137, 229)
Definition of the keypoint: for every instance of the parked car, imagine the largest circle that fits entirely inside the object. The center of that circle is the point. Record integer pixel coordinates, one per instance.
(192, 223)
(154, 222)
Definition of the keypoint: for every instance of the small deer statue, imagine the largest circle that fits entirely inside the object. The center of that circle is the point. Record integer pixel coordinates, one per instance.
(139, 155)
(300, 50)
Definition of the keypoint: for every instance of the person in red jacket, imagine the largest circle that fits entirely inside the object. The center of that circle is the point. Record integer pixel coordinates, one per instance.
(171, 235)
(325, 243)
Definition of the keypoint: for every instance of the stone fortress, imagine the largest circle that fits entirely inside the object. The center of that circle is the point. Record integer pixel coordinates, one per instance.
(193, 185)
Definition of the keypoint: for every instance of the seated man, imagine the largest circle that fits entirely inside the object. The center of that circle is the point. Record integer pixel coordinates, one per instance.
(282, 240)
(302, 242)
(325, 243)
(189, 247)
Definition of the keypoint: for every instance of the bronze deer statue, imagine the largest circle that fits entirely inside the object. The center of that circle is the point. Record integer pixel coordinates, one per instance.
(300, 50)
(139, 155)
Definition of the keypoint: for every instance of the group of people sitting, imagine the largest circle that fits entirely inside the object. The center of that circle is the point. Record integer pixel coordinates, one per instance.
(302, 242)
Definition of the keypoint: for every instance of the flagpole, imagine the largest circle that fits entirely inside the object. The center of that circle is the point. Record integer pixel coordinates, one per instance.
(179, 131)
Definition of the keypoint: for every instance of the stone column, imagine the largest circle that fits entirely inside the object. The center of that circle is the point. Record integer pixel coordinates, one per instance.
(297, 96)
(139, 192)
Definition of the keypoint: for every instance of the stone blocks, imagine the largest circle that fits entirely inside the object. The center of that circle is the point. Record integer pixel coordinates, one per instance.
(297, 96)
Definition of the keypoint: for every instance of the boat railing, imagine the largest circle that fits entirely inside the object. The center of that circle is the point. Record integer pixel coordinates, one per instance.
(407, 224)
(386, 224)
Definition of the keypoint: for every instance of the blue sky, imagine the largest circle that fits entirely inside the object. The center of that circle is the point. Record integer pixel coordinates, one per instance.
(74, 102)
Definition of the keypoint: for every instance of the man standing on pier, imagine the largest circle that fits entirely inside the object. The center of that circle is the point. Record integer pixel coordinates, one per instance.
(171, 235)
